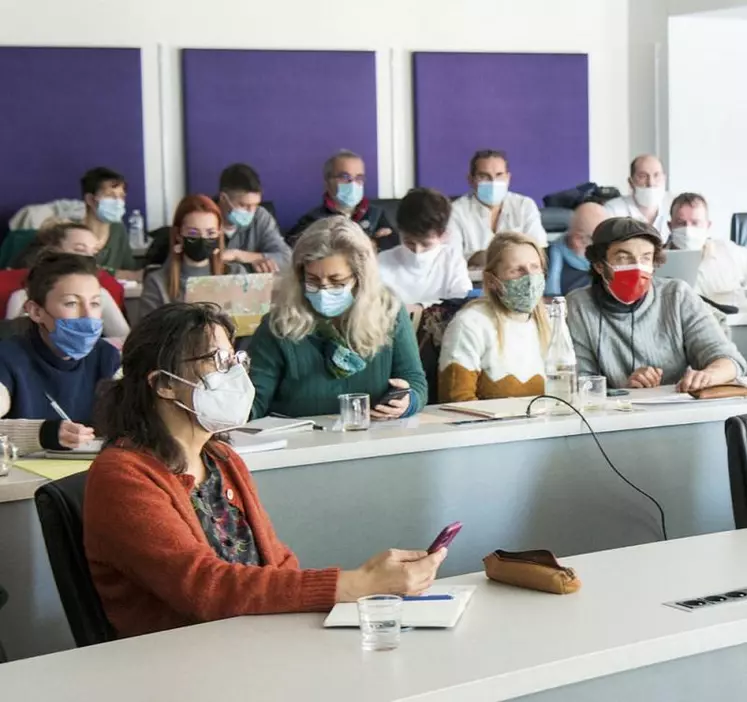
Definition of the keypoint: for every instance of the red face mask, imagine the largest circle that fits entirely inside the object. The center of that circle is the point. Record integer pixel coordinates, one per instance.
(630, 283)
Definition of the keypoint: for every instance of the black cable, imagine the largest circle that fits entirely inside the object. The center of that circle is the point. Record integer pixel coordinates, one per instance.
(606, 457)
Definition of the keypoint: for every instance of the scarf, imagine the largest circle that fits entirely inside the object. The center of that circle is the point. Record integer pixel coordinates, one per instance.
(340, 360)
(560, 256)
(359, 212)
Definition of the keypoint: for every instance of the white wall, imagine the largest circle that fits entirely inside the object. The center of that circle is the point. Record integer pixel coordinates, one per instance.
(392, 28)
(649, 77)
(708, 113)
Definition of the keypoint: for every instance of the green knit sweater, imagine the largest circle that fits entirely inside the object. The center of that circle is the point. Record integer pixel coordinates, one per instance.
(291, 378)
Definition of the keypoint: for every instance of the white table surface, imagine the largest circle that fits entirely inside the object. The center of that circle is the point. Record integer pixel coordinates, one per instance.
(316, 447)
(509, 643)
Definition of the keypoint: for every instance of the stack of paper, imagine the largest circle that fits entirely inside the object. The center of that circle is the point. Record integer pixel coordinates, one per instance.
(425, 614)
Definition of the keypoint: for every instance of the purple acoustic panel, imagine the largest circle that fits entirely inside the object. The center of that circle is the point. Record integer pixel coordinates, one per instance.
(63, 111)
(282, 112)
(533, 106)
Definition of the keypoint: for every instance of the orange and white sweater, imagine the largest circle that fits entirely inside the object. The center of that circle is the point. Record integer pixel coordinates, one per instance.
(473, 367)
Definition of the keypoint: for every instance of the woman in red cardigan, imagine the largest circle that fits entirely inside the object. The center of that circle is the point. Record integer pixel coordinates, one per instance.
(174, 530)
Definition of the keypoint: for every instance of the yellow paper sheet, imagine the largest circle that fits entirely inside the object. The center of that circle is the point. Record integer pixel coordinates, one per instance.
(52, 469)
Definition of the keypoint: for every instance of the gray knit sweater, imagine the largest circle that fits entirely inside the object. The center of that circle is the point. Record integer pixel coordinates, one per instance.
(671, 329)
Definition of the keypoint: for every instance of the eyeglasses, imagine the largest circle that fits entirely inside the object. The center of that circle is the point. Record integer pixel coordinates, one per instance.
(335, 288)
(347, 178)
(224, 360)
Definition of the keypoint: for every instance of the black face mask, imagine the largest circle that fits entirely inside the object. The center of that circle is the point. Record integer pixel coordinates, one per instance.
(198, 249)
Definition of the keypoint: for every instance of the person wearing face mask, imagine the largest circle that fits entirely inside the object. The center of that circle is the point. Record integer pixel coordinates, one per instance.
(61, 358)
(252, 235)
(344, 194)
(173, 527)
(495, 347)
(104, 192)
(568, 267)
(641, 331)
(648, 200)
(723, 268)
(196, 246)
(67, 237)
(491, 208)
(422, 271)
(335, 329)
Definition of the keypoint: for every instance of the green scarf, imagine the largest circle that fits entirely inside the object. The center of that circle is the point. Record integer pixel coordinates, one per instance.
(341, 361)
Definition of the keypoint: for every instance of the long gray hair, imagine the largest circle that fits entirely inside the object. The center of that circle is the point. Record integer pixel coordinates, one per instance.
(369, 323)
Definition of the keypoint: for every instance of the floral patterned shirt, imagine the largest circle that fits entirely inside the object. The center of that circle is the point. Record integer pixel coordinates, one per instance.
(225, 526)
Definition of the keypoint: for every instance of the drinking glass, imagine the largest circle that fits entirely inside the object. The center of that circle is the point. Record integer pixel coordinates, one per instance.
(8, 454)
(380, 619)
(355, 412)
(592, 392)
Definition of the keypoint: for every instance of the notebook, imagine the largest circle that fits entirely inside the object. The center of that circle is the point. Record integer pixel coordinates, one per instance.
(424, 614)
(246, 298)
(244, 443)
(277, 425)
(495, 409)
(88, 452)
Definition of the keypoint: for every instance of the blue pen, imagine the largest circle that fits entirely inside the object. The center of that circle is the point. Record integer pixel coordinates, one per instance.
(426, 598)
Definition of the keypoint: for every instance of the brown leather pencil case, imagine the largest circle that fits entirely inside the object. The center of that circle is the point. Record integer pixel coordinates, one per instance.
(720, 392)
(533, 570)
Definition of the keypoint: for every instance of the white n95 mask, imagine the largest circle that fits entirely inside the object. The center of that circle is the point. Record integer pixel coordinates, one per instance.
(222, 401)
(649, 197)
(690, 238)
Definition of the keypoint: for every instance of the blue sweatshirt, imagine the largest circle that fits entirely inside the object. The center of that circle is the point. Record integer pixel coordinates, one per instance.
(29, 368)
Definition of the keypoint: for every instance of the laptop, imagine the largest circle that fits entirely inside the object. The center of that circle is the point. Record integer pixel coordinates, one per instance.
(681, 265)
(246, 297)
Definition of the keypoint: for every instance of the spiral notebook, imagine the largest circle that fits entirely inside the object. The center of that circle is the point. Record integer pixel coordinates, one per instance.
(423, 614)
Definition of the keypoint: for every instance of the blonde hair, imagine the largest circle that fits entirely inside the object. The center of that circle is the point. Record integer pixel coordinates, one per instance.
(492, 302)
(369, 323)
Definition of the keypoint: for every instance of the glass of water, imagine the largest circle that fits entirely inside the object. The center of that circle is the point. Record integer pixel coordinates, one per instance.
(355, 412)
(592, 392)
(380, 619)
(8, 454)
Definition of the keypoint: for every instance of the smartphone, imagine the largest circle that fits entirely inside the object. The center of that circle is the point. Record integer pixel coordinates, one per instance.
(617, 393)
(444, 539)
(394, 394)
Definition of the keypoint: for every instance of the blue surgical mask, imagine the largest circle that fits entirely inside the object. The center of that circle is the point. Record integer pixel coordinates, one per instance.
(75, 338)
(239, 217)
(492, 192)
(331, 302)
(349, 195)
(110, 210)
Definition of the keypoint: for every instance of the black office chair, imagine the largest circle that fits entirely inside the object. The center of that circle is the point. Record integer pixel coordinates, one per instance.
(3, 600)
(736, 446)
(390, 207)
(739, 228)
(60, 507)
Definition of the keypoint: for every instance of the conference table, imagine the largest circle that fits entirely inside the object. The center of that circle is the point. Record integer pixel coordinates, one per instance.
(615, 640)
(338, 498)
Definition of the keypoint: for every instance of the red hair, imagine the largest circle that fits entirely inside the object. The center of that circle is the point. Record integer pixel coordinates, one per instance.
(189, 205)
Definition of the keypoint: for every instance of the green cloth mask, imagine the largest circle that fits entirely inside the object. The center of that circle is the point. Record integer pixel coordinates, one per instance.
(523, 294)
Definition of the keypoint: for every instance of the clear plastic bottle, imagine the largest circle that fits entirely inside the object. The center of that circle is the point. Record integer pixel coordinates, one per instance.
(136, 230)
(560, 364)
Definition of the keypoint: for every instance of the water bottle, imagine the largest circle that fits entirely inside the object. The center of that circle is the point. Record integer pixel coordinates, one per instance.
(560, 364)
(136, 230)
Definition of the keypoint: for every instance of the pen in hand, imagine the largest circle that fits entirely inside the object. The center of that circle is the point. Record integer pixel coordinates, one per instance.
(58, 410)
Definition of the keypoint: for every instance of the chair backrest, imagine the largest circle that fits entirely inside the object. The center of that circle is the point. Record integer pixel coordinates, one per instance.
(739, 228)
(60, 508)
(736, 446)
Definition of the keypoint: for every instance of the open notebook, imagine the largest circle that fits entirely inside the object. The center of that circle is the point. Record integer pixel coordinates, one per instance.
(425, 614)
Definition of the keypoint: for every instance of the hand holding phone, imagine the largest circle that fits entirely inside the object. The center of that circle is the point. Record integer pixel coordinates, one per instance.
(444, 539)
(393, 394)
